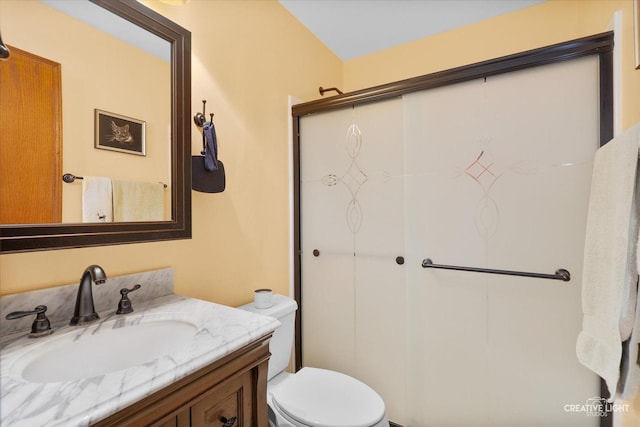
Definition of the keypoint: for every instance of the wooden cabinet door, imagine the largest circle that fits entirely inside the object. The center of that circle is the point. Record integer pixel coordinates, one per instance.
(231, 399)
(30, 140)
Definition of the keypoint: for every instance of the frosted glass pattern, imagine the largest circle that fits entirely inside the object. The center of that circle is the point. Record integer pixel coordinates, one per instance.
(352, 213)
(491, 174)
(507, 164)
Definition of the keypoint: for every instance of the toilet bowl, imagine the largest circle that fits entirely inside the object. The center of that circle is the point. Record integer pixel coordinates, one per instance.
(322, 398)
(312, 397)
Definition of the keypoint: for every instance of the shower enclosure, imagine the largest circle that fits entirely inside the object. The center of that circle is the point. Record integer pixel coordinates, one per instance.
(486, 173)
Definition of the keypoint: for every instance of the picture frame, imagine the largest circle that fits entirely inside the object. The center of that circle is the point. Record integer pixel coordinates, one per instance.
(116, 132)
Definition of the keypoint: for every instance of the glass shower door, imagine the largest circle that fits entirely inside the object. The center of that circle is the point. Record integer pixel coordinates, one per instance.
(488, 173)
(353, 270)
(498, 176)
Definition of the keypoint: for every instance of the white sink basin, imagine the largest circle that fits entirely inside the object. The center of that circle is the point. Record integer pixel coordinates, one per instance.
(104, 349)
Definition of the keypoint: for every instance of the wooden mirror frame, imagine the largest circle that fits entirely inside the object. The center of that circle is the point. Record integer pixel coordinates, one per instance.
(38, 237)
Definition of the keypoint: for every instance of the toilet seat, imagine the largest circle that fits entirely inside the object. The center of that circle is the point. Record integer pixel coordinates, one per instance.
(320, 398)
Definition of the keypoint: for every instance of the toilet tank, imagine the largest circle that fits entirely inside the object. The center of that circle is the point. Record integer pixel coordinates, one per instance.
(283, 309)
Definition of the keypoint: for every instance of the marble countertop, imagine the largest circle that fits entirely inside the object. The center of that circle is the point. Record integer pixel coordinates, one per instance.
(220, 331)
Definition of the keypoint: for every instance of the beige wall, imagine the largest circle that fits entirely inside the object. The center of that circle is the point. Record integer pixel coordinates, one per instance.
(248, 57)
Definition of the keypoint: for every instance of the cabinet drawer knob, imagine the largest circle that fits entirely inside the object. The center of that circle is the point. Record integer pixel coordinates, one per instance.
(228, 422)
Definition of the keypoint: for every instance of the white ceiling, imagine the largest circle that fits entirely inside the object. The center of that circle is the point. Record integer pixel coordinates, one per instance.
(352, 28)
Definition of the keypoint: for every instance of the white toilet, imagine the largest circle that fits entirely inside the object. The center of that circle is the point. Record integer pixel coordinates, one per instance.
(312, 397)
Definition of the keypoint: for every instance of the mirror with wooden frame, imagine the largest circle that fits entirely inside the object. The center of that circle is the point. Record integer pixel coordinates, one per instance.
(165, 157)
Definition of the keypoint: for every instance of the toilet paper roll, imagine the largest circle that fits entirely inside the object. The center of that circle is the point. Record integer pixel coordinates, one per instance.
(262, 298)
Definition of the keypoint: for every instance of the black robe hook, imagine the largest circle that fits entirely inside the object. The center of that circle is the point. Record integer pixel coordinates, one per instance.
(199, 118)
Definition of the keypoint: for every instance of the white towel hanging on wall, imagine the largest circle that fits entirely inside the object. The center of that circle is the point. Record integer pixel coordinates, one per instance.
(138, 201)
(609, 266)
(629, 383)
(97, 199)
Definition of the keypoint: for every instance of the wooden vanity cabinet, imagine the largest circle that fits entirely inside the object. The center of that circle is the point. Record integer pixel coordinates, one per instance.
(227, 401)
(232, 387)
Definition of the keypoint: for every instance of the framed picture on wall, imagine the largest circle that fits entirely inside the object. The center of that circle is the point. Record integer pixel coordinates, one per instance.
(119, 133)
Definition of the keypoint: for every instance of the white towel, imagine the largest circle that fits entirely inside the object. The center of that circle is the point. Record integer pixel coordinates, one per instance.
(97, 199)
(608, 266)
(138, 201)
(630, 370)
(629, 366)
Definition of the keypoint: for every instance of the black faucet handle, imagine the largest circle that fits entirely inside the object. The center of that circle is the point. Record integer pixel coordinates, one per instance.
(124, 306)
(124, 291)
(40, 326)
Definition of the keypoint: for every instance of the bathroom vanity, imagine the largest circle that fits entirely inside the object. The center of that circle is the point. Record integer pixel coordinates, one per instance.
(229, 392)
(173, 361)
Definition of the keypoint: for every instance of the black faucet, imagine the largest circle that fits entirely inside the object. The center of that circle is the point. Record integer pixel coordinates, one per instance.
(85, 312)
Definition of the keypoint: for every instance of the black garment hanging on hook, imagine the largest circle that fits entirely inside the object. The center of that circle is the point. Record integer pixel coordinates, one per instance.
(204, 181)
(207, 171)
(211, 147)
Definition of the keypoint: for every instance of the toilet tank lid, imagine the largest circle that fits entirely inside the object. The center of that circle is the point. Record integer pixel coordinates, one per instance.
(282, 305)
